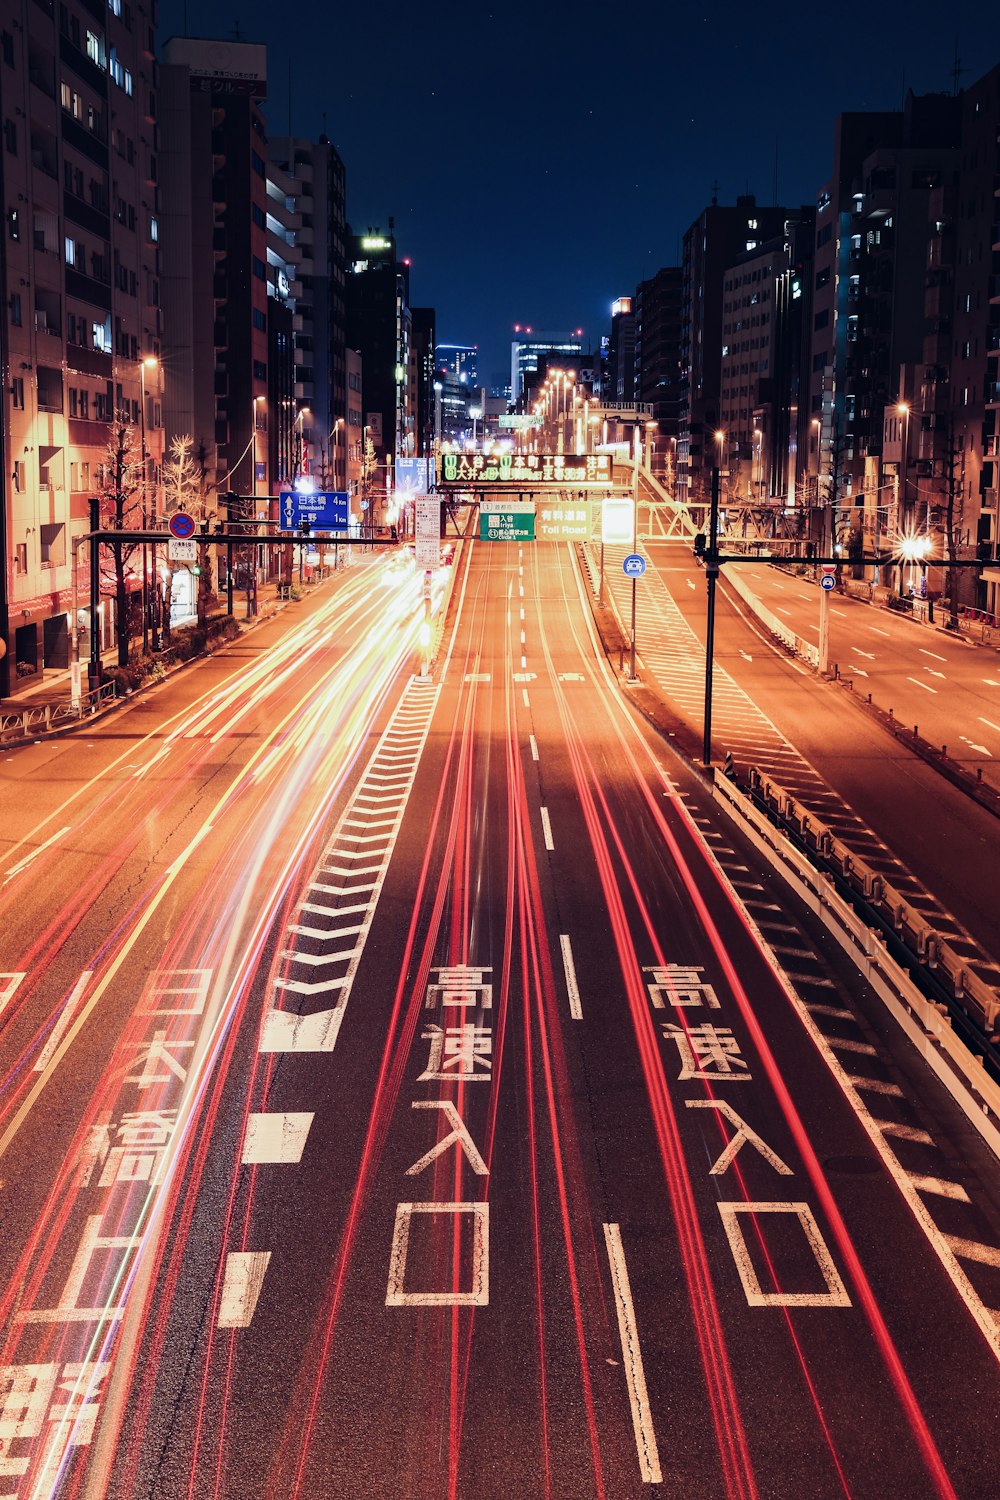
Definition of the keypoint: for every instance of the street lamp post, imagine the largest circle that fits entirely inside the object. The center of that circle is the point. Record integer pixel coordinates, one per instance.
(475, 412)
(635, 543)
(711, 579)
(149, 362)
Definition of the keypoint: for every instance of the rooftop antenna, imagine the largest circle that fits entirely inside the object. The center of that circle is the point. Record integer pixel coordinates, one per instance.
(957, 70)
(774, 183)
(236, 31)
(715, 193)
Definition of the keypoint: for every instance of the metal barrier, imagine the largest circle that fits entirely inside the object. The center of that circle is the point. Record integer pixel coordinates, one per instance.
(33, 723)
(948, 1011)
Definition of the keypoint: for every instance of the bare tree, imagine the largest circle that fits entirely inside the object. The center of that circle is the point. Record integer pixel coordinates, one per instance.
(120, 485)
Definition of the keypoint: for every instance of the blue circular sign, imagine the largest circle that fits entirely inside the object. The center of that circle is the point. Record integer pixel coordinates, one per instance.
(181, 525)
(634, 566)
(828, 581)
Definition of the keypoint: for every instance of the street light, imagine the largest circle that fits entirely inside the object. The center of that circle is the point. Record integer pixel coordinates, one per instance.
(475, 412)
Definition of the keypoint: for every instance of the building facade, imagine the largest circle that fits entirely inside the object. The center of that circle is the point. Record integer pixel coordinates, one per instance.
(379, 327)
(80, 273)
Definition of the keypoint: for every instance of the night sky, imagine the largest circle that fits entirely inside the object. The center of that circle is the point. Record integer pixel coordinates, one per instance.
(538, 164)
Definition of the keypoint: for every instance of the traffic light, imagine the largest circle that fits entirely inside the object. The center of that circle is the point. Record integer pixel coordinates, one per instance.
(305, 527)
(699, 544)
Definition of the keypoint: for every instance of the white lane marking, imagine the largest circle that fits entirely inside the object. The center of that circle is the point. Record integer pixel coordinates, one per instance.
(833, 1011)
(524, 661)
(858, 671)
(283, 1031)
(26, 861)
(534, 746)
(65, 1016)
(925, 685)
(905, 1132)
(941, 1186)
(842, 612)
(522, 611)
(876, 1085)
(990, 682)
(241, 1287)
(986, 1255)
(924, 652)
(547, 829)
(635, 1375)
(477, 676)
(571, 677)
(523, 638)
(989, 724)
(520, 589)
(275, 1137)
(847, 1044)
(858, 652)
(575, 1008)
(524, 694)
(875, 630)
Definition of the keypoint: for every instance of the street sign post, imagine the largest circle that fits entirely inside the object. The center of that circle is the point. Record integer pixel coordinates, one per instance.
(427, 530)
(634, 566)
(182, 549)
(827, 582)
(321, 510)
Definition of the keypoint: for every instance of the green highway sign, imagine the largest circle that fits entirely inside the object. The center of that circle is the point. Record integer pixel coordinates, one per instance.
(512, 523)
(526, 469)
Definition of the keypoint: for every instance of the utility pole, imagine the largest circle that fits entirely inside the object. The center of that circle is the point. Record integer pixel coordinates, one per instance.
(711, 578)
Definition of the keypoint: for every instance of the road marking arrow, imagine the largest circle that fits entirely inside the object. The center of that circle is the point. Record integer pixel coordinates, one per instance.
(869, 654)
(979, 749)
(857, 670)
(933, 673)
(746, 655)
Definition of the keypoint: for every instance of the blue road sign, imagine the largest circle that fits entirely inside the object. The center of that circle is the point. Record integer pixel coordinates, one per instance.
(181, 525)
(828, 581)
(634, 566)
(323, 510)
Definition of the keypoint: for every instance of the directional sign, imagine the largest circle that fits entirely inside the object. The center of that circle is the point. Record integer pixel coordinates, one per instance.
(512, 523)
(323, 510)
(634, 566)
(182, 549)
(181, 525)
(828, 581)
(617, 521)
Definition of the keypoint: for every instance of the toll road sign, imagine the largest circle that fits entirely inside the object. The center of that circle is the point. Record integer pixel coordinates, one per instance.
(828, 581)
(634, 566)
(181, 525)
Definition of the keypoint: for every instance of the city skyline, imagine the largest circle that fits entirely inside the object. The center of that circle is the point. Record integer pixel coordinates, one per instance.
(544, 208)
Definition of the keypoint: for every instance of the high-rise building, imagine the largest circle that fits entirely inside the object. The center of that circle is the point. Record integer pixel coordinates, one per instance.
(621, 356)
(379, 326)
(317, 180)
(423, 367)
(215, 251)
(658, 361)
(79, 276)
(528, 345)
(712, 243)
(460, 360)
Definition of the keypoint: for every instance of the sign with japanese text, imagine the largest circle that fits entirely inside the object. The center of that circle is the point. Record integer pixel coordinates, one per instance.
(526, 469)
(514, 522)
(563, 520)
(323, 510)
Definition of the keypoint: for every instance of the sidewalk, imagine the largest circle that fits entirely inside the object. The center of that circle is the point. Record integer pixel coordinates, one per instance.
(51, 687)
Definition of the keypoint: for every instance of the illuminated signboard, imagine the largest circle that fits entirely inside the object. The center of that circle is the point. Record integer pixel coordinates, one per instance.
(563, 520)
(515, 522)
(525, 469)
(519, 421)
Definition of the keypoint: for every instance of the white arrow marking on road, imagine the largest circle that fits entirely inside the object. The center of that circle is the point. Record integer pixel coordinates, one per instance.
(690, 582)
(934, 672)
(979, 749)
(745, 655)
(859, 671)
(989, 724)
(525, 676)
(283, 1031)
(575, 1008)
(925, 685)
(16, 869)
(241, 1287)
(869, 654)
(990, 682)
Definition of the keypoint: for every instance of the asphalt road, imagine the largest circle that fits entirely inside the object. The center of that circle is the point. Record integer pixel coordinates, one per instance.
(443, 1124)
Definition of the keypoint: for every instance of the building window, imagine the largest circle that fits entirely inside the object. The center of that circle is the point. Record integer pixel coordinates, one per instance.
(21, 558)
(71, 101)
(8, 48)
(17, 393)
(15, 309)
(259, 269)
(102, 336)
(258, 164)
(259, 370)
(53, 543)
(10, 136)
(258, 216)
(821, 320)
(260, 320)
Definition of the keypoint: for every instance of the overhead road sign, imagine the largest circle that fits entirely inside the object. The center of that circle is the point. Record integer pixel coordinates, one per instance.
(563, 519)
(634, 566)
(508, 523)
(321, 510)
(525, 470)
(181, 525)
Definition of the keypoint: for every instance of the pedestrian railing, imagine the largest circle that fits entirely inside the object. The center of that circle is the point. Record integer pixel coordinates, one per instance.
(33, 723)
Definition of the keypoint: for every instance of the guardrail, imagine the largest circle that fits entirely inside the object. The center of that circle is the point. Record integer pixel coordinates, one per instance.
(795, 643)
(33, 723)
(947, 1010)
